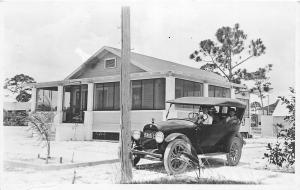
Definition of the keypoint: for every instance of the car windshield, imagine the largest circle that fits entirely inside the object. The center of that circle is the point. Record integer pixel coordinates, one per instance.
(184, 112)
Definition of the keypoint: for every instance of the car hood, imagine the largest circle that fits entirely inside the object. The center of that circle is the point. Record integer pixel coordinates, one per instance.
(170, 125)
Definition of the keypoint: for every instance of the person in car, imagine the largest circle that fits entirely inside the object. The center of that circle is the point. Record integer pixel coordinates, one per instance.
(231, 115)
(205, 118)
(213, 113)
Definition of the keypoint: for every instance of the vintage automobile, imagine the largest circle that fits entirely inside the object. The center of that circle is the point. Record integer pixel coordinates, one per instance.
(186, 135)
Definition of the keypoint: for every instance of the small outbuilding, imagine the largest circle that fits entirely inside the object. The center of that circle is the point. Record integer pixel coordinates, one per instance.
(15, 112)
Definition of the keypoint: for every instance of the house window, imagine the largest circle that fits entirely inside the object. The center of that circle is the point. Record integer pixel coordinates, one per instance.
(110, 63)
(46, 99)
(185, 88)
(217, 91)
(107, 96)
(146, 94)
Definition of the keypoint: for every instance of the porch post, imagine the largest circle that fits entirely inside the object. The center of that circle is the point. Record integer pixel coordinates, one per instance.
(88, 117)
(33, 100)
(59, 112)
(170, 92)
(205, 89)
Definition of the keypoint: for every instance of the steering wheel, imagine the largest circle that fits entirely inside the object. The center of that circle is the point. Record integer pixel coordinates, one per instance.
(192, 115)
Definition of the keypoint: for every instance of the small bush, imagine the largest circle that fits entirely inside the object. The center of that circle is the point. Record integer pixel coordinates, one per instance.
(41, 122)
(282, 154)
(15, 118)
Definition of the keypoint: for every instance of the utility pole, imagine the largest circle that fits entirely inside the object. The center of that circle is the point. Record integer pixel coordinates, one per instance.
(125, 157)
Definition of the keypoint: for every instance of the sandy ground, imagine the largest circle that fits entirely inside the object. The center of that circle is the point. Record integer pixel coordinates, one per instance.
(18, 145)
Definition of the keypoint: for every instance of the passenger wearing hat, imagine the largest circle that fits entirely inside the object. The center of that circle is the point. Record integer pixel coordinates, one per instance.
(205, 118)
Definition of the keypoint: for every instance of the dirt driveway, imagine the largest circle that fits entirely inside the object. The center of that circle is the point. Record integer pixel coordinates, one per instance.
(18, 144)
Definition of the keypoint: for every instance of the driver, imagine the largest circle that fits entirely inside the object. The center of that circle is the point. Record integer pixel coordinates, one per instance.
(204, 117)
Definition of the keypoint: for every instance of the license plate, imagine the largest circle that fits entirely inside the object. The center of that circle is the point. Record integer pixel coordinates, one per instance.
(148, 135)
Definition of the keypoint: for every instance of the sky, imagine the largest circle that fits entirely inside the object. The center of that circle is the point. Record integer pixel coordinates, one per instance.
(49, 39)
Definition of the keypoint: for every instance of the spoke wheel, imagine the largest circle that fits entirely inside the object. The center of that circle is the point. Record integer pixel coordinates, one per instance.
(173, 162)
(234, 151)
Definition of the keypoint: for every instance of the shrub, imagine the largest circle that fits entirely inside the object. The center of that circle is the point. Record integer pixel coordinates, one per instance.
(281, 153)
(15, 118)
(41, 122)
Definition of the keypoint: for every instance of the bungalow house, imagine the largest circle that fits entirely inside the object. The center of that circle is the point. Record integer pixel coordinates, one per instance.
(87, 102)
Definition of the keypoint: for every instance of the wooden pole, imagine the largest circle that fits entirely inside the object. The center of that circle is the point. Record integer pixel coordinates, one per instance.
(126, 167)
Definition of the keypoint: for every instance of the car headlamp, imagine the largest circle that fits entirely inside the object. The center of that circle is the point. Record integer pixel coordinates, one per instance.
(136, 135)
(159, 137)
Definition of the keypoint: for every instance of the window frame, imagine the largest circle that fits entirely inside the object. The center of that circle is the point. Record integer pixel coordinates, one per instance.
(140, 107)
(115, 65)
(214, 91)
(102, 108)
(183, 87)
(51, 97)
(141, 94)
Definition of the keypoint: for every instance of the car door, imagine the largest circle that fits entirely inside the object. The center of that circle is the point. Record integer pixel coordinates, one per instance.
(209, 135)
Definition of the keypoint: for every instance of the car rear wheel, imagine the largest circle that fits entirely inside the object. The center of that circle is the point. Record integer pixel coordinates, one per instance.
(234, 151)
(173, 161)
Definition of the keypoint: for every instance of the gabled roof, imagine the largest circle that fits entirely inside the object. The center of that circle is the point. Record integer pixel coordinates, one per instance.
(280, 109)
(152, 64)
(271, 106)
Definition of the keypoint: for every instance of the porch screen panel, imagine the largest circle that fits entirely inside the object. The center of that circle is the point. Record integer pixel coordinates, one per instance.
(217, 91)
(185, 88)
(147, 94)
(226, 92)
(136, 94)
(74, 103)
(98, 97)
(188, 88)
(178, 88)
(46, 99)
(108, 96)
(84, 94)
(198, 89)
(117, 96)
(211, 91)
(159, 94)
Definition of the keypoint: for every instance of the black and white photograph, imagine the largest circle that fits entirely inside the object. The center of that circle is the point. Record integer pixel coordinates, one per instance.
(196, 93)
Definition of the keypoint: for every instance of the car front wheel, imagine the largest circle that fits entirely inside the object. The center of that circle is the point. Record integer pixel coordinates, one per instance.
(173, 161)
(234, 151)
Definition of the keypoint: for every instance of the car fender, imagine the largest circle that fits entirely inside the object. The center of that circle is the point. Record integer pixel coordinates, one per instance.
(173, 136)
